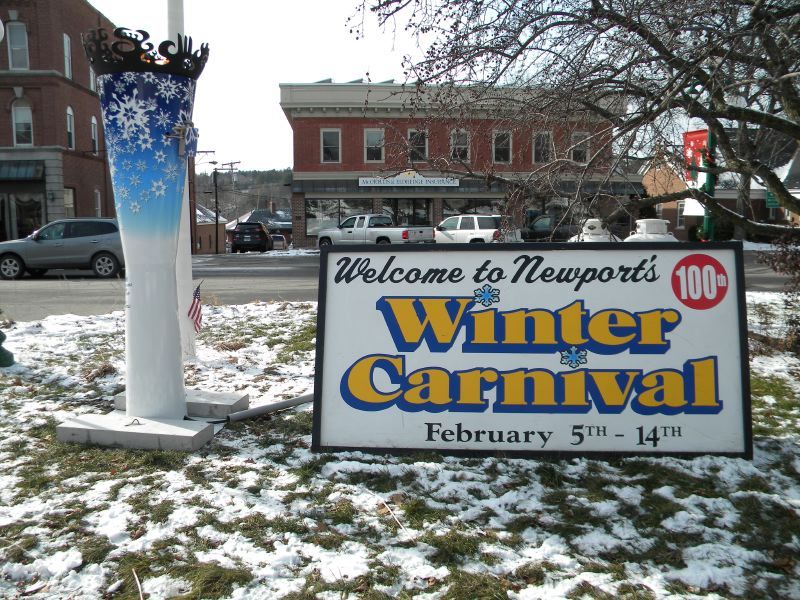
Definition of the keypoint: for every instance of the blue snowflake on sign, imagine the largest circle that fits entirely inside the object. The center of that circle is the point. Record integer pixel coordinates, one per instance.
(487, 295)
(573, 357)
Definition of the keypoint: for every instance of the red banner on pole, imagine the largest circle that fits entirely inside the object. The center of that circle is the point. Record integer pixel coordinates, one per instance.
(695, 145)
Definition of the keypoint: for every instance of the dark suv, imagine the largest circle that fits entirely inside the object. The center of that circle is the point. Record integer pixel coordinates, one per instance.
(251, 236)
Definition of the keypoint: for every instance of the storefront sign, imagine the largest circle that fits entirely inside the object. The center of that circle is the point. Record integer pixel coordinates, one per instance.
(409, 178)
(633, 349)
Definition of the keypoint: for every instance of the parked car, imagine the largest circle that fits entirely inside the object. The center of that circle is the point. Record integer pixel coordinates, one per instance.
(251, 236)
(374, 229)
(473, 229)
(278, 241)
(84, 243)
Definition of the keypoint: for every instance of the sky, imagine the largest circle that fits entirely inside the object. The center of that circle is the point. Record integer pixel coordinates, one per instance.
(254, 47)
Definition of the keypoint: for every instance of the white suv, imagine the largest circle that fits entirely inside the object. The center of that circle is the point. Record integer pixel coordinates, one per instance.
(471, 229)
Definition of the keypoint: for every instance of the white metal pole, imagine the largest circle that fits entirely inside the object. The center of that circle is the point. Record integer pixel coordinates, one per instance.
(183, 261)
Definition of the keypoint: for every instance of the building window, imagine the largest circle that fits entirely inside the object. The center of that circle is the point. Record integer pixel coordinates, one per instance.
(331, 145)
(501, 150)
(321, 214)
(681, 222)
(98, 203)
(23, 123)
(67, 57)
(373, 145)
(409, 211)
(95, 143)
(17, 35)
(580, 148)
(69, 202)
(542, 147)
(459, 145)
(70, 128)
(92, 80)
(418, 144)
(475, 206)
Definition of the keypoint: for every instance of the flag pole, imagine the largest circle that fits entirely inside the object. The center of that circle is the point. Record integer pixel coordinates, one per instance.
(183, 261)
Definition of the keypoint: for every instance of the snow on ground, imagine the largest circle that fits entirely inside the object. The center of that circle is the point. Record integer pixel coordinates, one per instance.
(256, 514)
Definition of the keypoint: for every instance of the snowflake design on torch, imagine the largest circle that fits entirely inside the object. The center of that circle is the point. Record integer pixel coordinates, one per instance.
(162, 118)
(129, 77)
(159, 156)
(135, 180)
(167, 88)
(145, 142)
(148, 77)
(135, 207)
(487, 295)
(573, 357)
(170, 172)
(158, 189)
(119, 87)
(130, 115)
(123, 192)
(127, 164)
(188, 93)
(141, 165)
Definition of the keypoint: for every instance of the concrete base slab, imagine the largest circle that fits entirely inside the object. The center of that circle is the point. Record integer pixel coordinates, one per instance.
(207, 405)
(118, 430)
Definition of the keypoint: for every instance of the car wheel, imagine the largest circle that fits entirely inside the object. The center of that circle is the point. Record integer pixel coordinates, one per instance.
(36, 272)
(477, 241)
(11, 267)
(105, 265)
(384, 241)
(324, 242)
(263, 248)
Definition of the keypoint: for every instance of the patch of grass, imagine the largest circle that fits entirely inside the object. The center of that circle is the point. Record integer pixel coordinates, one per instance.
(586, 590)
(300, 340)
(452, 548)
(329, 540)
(463, 585)
(774, 406)
(765, 524)
(94, 549)
(635, 591)
(521, 523)
(417, 513)
(18, 550)
(341, 512)
(209, 580)
(159, 513)
(534, 573)
(230, 345)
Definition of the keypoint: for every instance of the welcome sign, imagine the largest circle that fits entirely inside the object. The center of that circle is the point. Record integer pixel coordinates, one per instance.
(533, 349)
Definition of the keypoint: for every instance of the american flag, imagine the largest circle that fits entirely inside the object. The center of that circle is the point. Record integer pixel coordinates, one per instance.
(196, 310)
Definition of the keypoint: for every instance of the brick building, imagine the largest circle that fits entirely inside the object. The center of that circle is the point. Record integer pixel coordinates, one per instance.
(52, 163)
(357, 149)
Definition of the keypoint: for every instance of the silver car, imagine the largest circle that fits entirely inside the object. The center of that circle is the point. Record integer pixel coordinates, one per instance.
(86, 243)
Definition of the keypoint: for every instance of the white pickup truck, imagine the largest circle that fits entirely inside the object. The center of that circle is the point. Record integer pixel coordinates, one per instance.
(373, 229)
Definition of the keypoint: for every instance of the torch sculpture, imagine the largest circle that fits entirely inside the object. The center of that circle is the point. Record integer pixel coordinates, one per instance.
(147, 98)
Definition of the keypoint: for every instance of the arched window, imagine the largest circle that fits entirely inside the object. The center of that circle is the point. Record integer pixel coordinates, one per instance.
(95, 143)
(17, 36)
(70, 128)
(22, 116)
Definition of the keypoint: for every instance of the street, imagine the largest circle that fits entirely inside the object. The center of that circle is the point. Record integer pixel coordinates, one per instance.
(226, 279)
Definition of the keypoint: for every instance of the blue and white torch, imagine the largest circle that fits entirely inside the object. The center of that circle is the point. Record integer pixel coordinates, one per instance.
(147, 98)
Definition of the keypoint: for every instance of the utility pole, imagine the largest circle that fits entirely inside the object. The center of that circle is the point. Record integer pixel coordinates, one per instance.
(230, 168)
